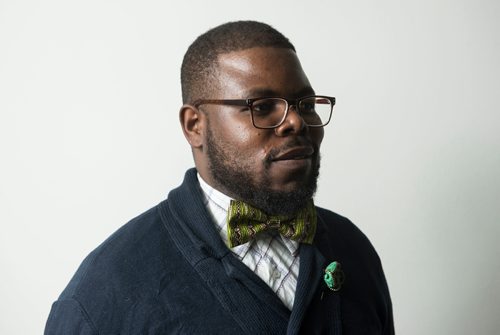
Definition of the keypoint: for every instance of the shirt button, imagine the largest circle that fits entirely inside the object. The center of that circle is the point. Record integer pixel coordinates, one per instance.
(277, 274)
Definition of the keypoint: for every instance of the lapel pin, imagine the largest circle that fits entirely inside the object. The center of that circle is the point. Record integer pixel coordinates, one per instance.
(334, 276)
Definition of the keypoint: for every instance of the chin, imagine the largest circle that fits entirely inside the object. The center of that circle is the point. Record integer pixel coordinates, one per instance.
(290, 187)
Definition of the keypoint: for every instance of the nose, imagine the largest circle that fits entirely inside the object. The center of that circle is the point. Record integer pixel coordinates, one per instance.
(293, 123)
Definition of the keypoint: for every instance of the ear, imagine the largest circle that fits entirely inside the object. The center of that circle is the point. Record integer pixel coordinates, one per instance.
(192, 121)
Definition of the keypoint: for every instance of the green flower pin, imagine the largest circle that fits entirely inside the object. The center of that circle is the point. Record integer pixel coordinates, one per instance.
(334, 276)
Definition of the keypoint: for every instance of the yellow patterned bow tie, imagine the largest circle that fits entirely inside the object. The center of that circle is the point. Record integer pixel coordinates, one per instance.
(245, 221)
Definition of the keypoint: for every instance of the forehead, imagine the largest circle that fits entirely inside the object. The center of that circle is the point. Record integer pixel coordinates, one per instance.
(261, 71)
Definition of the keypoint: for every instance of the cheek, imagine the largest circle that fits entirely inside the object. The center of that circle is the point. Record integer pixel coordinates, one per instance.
(317, 136)
(255, 146)
(246, 142)
(262, 145)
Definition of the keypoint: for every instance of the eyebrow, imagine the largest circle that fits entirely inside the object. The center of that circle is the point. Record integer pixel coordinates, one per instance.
(265, 92)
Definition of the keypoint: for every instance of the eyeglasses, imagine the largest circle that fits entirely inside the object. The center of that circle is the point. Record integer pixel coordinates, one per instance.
(271, 112)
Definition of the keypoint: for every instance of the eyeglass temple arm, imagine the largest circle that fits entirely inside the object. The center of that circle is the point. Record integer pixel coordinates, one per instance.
(231, 102)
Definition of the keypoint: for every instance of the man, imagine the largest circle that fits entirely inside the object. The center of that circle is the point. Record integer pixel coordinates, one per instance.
(239, 247)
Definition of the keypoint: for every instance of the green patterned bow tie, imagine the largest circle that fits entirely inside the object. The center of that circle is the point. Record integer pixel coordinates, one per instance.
(245, 221)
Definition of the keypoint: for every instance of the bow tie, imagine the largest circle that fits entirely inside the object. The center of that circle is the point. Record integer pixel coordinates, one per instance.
(244, 222)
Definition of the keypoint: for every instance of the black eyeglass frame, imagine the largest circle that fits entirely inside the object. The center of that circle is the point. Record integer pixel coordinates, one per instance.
(249, 103)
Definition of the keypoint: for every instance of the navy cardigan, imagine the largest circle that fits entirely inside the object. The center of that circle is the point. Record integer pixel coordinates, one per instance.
(168, 272)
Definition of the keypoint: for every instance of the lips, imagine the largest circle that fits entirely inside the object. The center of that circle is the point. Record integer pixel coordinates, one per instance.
(294, 154)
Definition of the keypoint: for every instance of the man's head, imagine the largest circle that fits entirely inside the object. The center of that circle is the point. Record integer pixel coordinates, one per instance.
(273, 169)
(198, 71)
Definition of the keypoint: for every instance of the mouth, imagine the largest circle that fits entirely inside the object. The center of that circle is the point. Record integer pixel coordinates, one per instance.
(296, 153)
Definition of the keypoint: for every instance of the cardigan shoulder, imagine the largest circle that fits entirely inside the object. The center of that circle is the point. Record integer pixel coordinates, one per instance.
(120, 280)
(343, 231)
(121, 255)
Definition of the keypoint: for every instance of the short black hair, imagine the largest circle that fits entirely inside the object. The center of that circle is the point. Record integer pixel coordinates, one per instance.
(199, 63)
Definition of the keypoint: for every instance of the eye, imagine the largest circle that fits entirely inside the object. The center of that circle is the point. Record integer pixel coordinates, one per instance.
(313, 105)
(266, 106)
(307, 107)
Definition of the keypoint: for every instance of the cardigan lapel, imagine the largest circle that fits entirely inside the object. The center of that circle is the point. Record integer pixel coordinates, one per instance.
(246, 298)
(311, 290)
(312, 264)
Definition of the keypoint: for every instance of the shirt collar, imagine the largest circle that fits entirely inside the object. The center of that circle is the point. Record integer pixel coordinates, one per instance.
(214, 196)
(218, 201)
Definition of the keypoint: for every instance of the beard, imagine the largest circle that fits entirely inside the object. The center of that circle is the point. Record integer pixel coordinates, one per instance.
(234, 175)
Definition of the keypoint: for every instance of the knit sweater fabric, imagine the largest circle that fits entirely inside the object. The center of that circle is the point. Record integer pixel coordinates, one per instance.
(168, 271)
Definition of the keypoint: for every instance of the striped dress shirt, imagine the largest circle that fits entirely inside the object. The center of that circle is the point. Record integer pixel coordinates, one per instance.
(272, 257)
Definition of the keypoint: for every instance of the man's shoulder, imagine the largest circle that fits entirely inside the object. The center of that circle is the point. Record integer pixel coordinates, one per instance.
(338, 232)
(332, 222)
(120, 260)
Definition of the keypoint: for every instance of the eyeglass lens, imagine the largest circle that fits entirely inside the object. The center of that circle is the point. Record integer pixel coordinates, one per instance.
(270, 112)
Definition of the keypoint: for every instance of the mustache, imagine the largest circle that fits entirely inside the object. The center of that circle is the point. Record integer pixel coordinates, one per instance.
(275, 152)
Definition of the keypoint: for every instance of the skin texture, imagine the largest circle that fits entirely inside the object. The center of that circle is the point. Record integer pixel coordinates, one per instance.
(272, 169)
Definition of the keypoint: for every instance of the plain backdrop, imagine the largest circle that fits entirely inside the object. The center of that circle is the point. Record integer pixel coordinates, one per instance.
(90, 138)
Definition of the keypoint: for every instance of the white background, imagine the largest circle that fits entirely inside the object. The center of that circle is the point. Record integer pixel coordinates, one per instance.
(89, 138)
